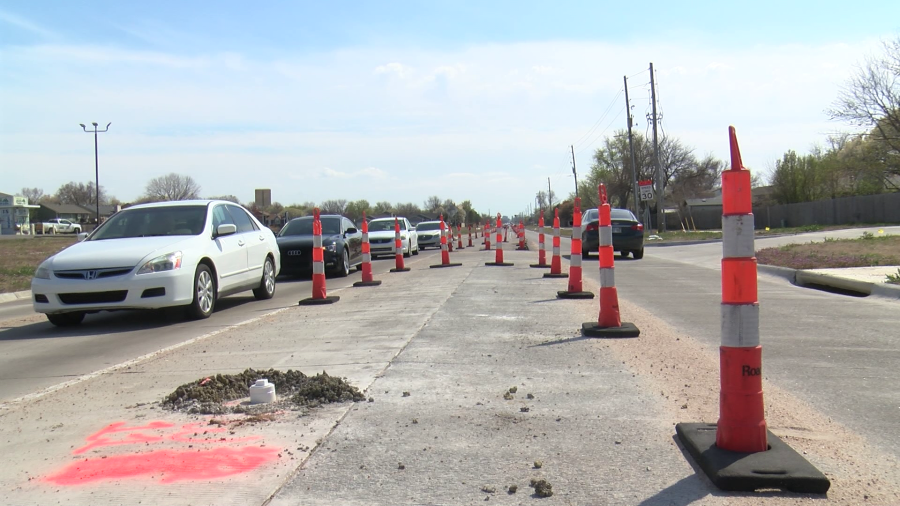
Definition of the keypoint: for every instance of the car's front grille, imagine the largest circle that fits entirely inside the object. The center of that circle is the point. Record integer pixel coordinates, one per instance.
(93, 297)
(381, 241)
(90, 274)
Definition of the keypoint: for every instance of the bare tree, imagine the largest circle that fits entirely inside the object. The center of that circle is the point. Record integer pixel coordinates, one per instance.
(34, 195)
(172, 186)
(433, 203)
(79, 193)
(871, 99)
(383, 207)
(333, 206)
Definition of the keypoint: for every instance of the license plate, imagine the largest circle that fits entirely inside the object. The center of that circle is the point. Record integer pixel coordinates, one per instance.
(617, 230)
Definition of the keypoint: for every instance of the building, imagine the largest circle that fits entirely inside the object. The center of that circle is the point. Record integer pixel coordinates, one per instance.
(14, 214)
(263, 198)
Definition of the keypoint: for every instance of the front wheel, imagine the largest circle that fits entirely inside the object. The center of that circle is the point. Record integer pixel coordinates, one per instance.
(408, 252)
(65, 319)
(624, 253)
(266, 289)
(204, 294)
(344, 269)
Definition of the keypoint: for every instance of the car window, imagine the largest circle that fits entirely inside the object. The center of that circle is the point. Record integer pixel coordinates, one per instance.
(348, 224)
(429, 226)
(153, 221)
(221, 216)
(243, 222)
(381, 225)
(621, 214)
(591, 215)
(299, 226)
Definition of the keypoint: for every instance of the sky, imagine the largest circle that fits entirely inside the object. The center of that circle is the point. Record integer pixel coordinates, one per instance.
(401, 100)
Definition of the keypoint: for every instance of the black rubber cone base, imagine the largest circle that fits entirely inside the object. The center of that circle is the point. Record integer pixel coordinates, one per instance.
(438, 266)
(591, 329)
(539, 266)
(405, 269)
(560, 275)
(780, 467)
(375, 282)
(574, 295)
(499, 264)
(317, 302)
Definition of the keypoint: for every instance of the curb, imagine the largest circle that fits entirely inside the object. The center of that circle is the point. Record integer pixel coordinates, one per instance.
(9, 297)
(806, 279)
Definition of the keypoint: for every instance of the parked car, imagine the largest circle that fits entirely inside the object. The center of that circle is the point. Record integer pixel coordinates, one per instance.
(340, 238)
(428, 234)
(57, 226)
(627, 233)
(381, 237)
(186, 253)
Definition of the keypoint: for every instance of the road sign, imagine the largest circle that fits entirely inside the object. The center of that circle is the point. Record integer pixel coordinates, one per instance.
(646, 187)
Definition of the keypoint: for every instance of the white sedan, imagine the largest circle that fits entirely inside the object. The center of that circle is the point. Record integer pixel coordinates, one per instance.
(186, 253)
(382, 235)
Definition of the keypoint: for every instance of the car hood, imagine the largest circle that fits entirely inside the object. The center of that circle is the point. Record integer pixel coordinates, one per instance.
(116, 252)
(384, 234)
(303, 241)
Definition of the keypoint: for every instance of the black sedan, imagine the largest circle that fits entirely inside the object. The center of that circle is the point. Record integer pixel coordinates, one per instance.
(340, 238)
(627, 233)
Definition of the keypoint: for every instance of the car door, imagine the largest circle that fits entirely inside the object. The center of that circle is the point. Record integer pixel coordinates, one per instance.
(413, 236)
(231, 254)
(254, 242)
(353, 240)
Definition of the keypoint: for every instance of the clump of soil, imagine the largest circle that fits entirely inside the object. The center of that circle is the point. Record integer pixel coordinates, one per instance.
(210, 395)
(542, 488)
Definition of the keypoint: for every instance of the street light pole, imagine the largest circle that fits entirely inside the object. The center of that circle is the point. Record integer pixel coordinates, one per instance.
(96, 164)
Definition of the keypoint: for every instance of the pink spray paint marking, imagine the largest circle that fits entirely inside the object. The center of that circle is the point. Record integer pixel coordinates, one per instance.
(169, 464)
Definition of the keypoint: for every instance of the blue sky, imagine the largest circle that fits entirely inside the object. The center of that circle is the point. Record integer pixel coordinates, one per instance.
(398, 101)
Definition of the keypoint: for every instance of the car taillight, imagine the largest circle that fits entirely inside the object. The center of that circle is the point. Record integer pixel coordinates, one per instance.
(639, 227)
(594, 225)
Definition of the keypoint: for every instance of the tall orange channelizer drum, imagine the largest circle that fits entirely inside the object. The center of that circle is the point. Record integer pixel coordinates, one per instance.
(367, 279)
(521, 236)
(449, 238)
(318, 265)
(486, 235)
(542, 249)
(459, 244)
(398, 248)
(445, 247)
(498, 258)
(739, 453)
(609, 324)
(576, 290)
(470, 236)
(556, 259)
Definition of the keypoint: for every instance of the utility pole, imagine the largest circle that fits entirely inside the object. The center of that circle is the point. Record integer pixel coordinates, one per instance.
(96, 163)
(549, 194)
(660, 214)
(634, 180)
(573, 170)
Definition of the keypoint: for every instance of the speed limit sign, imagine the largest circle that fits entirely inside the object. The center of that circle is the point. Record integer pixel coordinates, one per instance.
(646, 187)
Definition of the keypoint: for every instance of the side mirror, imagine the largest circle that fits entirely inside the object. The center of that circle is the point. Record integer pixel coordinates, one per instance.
(226, 229)
(351, 230)
(82, 236)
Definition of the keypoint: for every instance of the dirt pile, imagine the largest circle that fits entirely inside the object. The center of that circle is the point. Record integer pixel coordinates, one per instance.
(213, 394)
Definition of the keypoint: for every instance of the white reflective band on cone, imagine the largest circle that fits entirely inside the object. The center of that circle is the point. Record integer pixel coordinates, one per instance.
(541, 245)
(365, 237)
(740, 325)
(443, 247)
(605, 234)
(317, 241)
(576, 231)
(556, 251)
(737, 236)
(318, 268)
(575, 261)
(555, 232)
(367, 257)
(607, 277)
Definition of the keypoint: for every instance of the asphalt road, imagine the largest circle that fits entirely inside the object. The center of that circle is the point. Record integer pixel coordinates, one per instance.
(837, 352)
(35, 355)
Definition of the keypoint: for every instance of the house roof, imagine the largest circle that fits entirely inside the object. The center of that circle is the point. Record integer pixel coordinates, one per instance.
(69, 209)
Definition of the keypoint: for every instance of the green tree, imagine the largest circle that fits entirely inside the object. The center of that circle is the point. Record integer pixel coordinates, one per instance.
(355, 209)
(383, 207)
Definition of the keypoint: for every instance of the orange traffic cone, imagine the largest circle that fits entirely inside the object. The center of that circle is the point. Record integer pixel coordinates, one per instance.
(398, 249)
(318, 277)
(542, 253)
(498, 259)
(575, 290)
(556, 262)
(609, 324)
(445, 247)
(367, 279)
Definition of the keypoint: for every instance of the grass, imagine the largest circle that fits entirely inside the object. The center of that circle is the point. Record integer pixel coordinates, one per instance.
(20, 257)
(867, 251)
(894, 279)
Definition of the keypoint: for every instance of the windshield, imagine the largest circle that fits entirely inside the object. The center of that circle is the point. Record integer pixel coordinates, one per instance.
(384, 225)
(153, 222)
(614, 214)
(304, 226)
(429, 226)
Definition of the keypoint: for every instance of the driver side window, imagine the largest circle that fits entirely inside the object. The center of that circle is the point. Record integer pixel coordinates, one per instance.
(221, 217)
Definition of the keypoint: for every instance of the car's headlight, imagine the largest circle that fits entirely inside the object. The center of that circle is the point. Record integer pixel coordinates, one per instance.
(42, 272)
(403, 237)
(331, 247)
(168, 262)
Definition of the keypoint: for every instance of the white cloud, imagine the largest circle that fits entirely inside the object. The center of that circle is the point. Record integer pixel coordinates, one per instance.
(27, 25)
(402, 71)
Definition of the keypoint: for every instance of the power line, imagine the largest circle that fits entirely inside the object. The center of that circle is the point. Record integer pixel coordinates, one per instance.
(589, 132)
(615, 118)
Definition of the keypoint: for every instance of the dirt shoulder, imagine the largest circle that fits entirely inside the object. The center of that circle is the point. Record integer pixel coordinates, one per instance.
(867, 251)
(20, 257)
